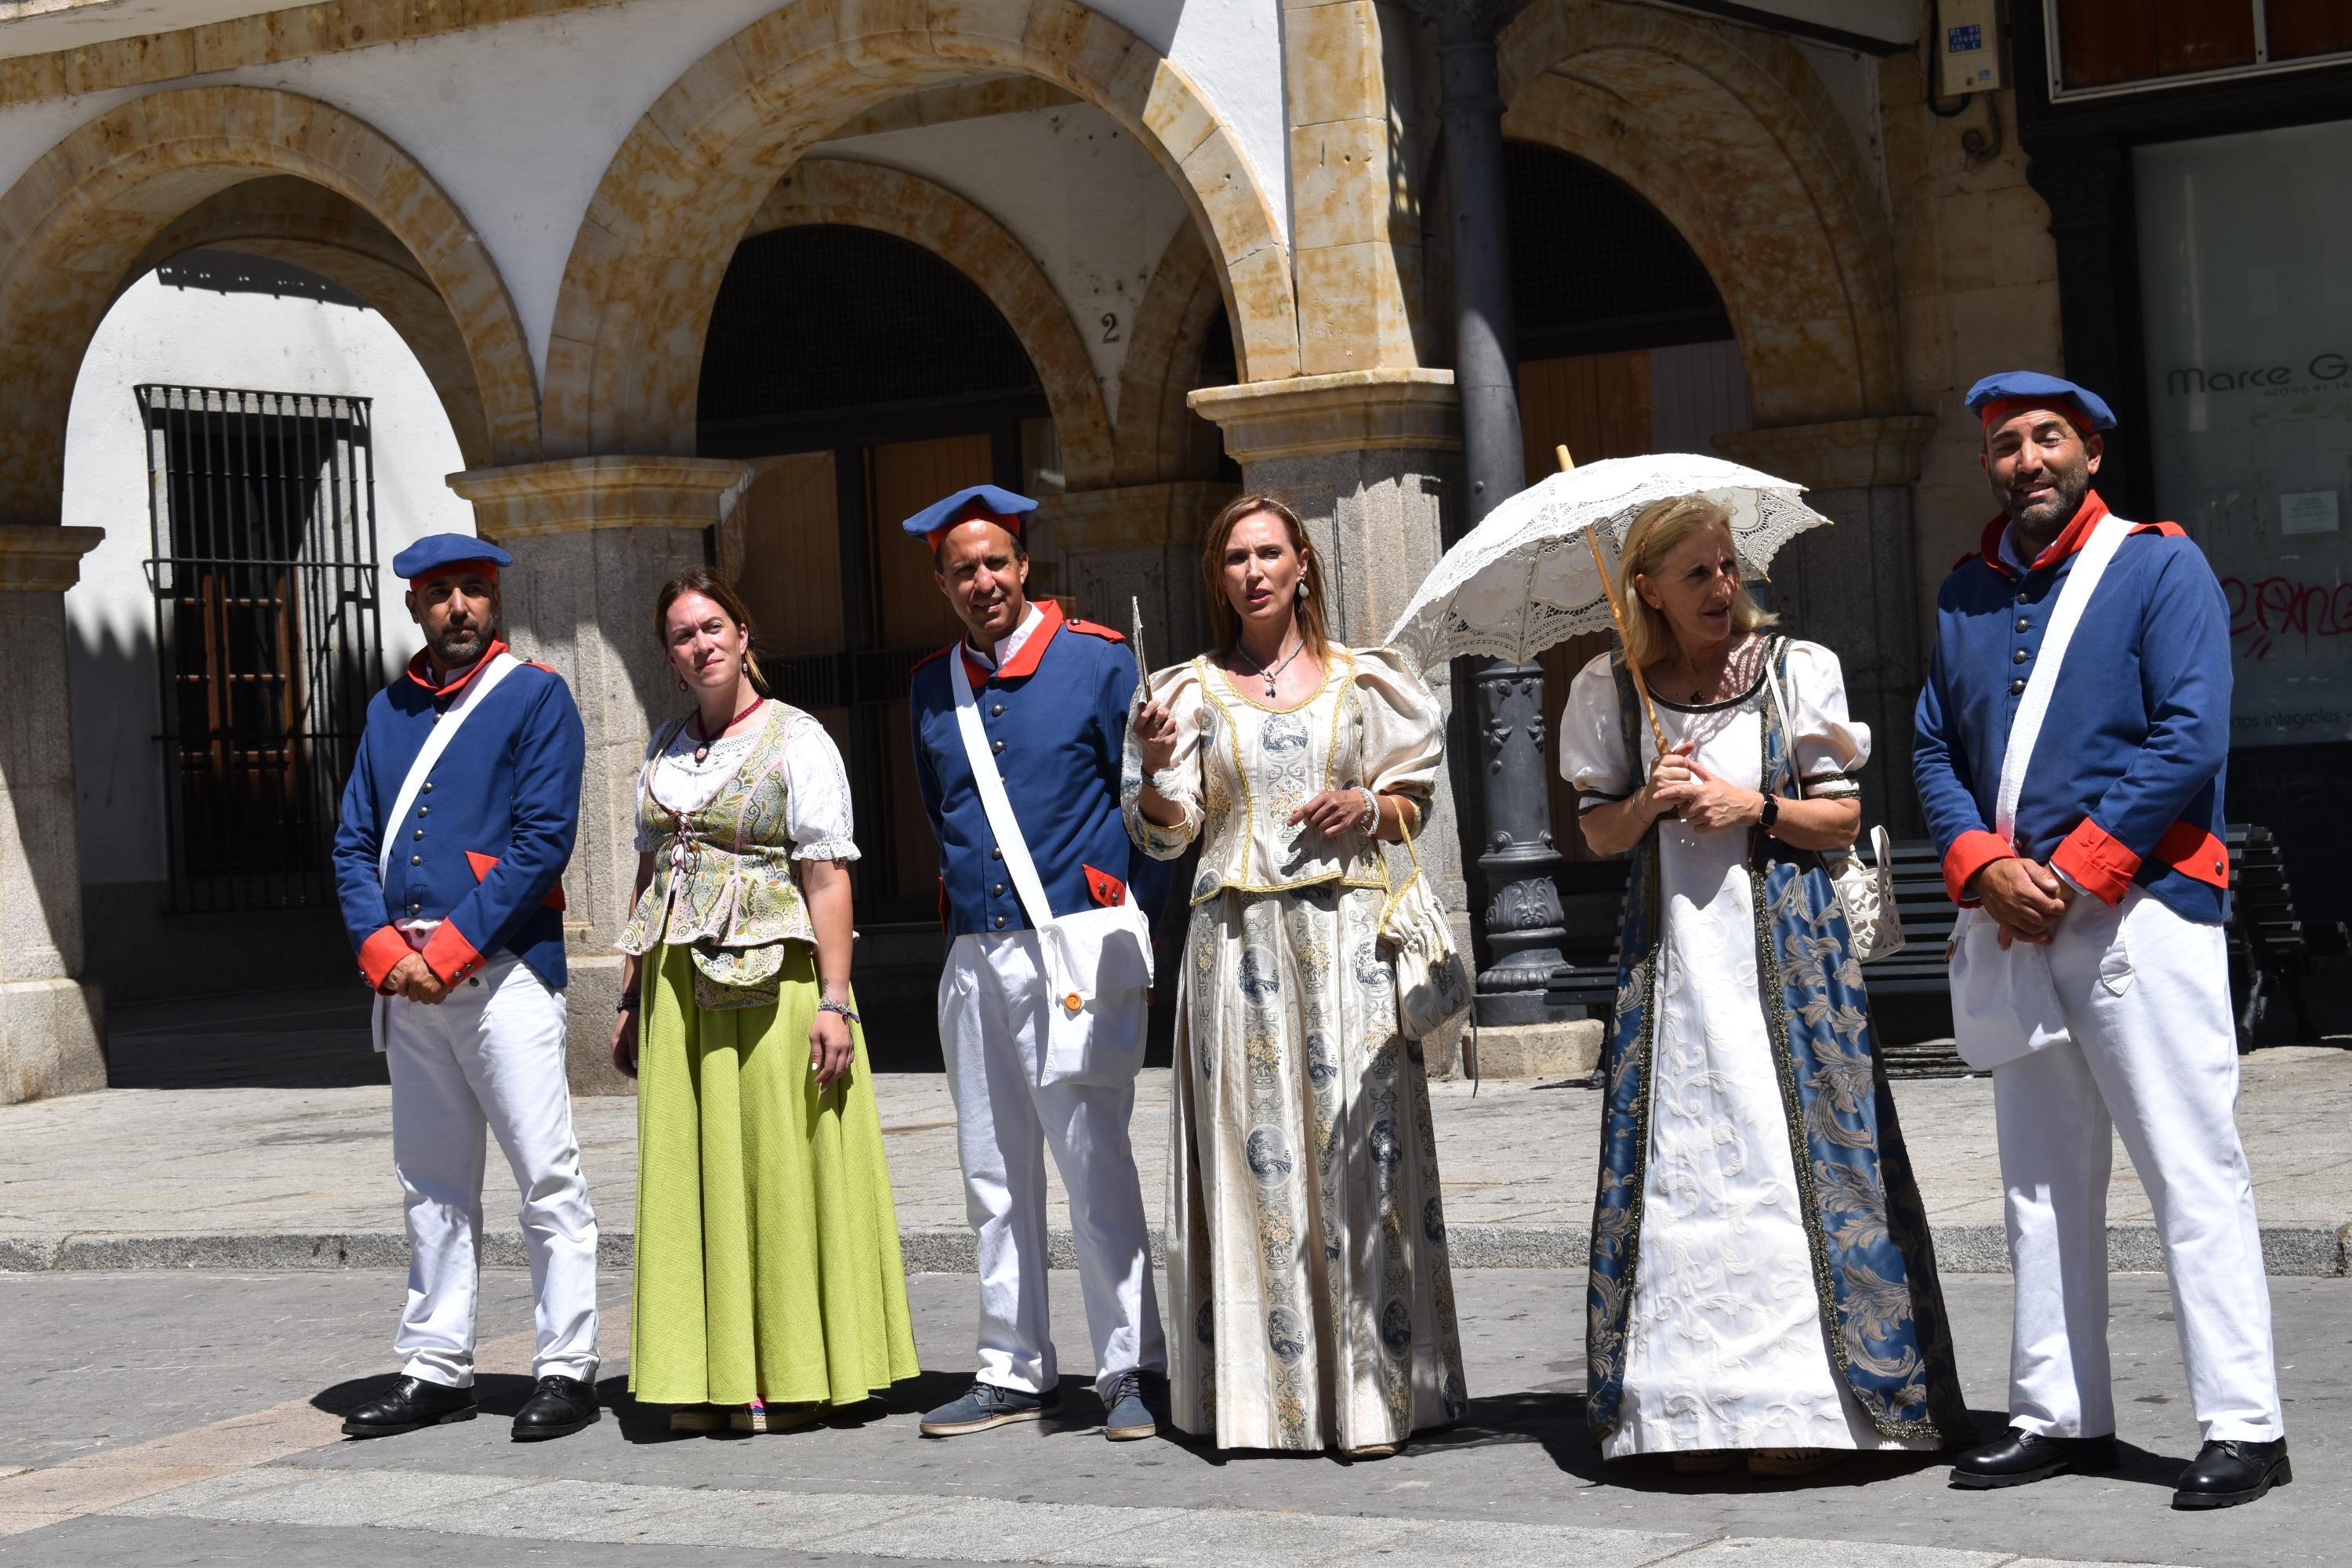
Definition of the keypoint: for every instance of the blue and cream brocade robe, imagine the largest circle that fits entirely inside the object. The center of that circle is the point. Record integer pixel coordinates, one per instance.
(1762, 1272)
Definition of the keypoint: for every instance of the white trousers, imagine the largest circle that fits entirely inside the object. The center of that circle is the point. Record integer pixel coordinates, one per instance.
(488, 1058)
(993, 1023)
(2150, 1049)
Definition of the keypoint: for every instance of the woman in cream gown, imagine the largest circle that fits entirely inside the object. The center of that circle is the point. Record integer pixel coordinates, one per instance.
(1310, 1305)
(1762, 1287)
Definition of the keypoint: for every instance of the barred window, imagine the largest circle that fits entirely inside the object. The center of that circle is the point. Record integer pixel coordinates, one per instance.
(267, 630)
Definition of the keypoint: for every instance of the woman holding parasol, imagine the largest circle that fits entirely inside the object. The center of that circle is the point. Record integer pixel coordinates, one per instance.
(1763, 1288)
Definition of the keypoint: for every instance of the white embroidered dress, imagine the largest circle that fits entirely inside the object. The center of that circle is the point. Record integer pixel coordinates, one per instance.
(1725, 1340)
(1310, 1300)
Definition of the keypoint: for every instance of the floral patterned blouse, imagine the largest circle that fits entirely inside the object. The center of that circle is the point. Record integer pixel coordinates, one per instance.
(723, 882)
(1243, 767)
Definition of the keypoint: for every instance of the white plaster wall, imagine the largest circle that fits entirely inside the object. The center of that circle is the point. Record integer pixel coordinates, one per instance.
(256, 341)
(1079, 192)
(1852, 79)
(517, 122)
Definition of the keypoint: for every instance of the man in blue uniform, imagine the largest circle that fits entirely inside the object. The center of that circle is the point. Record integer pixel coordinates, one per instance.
(2072, 738)
(457, 825)
(1042, 1035)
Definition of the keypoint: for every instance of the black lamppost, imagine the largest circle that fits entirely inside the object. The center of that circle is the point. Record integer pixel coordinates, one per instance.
(1523, 915)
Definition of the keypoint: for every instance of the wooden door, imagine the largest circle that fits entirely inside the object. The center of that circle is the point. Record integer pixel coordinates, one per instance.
(911, 615)
(790, 535)
(1598, 405)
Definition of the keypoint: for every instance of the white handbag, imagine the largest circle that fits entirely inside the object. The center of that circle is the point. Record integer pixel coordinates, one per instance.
(1097, 962)
(1432, 985)
(1867, 892)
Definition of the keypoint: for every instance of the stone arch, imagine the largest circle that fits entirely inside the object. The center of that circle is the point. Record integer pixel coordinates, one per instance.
(90, 207)
(1160, 436)
(1731, 136)
(290, 219)
(624, 358)
(909, 207)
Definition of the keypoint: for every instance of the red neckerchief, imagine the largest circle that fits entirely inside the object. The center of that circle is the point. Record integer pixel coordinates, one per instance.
(1022, 664)
(2070, 538)
(420, 670)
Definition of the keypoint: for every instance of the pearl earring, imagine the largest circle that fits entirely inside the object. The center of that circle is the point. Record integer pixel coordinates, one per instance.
(1302, 588)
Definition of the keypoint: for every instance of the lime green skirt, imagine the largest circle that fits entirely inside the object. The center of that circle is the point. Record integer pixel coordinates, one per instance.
(767, 1255)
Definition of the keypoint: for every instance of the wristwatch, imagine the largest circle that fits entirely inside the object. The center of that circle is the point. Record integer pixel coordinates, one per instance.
(1772, 812)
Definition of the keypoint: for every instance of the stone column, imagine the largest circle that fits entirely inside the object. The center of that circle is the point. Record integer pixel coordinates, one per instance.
(594, 540)
(1366, 458)
(52, 1022)
(1854, 587)
(1138, 543)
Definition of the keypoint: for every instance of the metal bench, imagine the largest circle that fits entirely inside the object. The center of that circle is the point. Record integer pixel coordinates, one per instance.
(2270, 947)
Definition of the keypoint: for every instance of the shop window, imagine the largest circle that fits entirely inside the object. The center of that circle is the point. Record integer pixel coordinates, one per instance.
(268, 633)
(2247, 313)
(2119, 45)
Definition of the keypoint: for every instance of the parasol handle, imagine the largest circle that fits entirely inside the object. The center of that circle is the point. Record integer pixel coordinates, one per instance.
(1617, 614)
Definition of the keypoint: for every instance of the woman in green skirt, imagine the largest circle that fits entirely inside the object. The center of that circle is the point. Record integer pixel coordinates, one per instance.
(769, 1287)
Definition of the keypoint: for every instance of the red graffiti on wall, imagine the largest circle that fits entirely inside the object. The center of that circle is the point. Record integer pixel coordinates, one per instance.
(2279, 607)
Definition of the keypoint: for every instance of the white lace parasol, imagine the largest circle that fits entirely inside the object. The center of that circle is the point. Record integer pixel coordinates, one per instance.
(1524, 579)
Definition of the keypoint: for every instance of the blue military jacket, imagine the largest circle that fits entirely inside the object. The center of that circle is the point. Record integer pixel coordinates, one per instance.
(1057, 718)
(483, 847)
(2126, 779)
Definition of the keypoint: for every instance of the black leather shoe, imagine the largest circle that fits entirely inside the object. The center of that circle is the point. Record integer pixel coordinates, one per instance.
(2230, 1472)
(413, 1403)
(2022, 1457)
(559, 1407)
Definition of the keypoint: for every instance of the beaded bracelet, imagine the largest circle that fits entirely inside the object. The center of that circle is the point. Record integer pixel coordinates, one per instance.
(1370, 821)
(827, 1004)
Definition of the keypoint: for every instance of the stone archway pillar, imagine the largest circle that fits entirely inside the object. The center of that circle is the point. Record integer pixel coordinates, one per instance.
(1854, 587)
(594, 540)
(1366, 458)
(1139, 543)
(52, 1022)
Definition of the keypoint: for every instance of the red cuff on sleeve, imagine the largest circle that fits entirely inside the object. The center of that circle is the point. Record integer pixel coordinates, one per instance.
(2190, 849)
(2097, 862)
(380, 952)
(449, 955)
(1969, 854)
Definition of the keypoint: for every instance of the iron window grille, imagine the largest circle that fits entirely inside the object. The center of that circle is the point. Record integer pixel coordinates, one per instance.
(267, 630)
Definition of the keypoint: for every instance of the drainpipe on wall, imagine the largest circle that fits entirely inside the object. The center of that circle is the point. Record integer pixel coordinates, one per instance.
(1523, 925)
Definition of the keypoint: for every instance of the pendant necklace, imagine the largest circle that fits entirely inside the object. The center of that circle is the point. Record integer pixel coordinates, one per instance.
(702, 751)
(1268, 675)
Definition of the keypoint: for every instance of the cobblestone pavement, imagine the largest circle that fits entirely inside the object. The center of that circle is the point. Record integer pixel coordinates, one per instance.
(190, 1419)
(277, 1177)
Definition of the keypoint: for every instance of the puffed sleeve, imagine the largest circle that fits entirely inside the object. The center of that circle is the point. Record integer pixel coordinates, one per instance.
(1593, 754)
(1404, 728)
(1831, 746)
(817, 811)
(1178, 686)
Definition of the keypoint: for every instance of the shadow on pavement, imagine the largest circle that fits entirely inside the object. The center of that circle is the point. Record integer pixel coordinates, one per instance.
(308, 1038)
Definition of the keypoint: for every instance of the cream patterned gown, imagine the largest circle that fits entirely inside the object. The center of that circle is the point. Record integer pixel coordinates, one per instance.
(1310, 1304)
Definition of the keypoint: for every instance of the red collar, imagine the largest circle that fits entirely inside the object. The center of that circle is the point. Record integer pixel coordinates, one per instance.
(1022, 664)
(420, 670)
(2070, 538)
